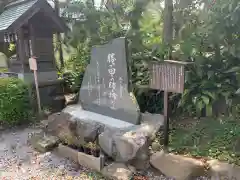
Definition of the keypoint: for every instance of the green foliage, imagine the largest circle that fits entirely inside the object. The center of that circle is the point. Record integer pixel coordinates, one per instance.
(205, 86)
(14, 102)
(79, 58)
(3, 70)
(213, 138)
(212, 44)
(206, 35)
(99, 27)
(72, 81)
(148, 99)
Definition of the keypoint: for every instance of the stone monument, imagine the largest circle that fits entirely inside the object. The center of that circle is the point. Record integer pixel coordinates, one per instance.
(105, 87)
(107, 113)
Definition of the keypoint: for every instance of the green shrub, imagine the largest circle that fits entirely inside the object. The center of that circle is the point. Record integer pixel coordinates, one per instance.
(3, 70)
(14, 102)
(207, 137)
(72, 81)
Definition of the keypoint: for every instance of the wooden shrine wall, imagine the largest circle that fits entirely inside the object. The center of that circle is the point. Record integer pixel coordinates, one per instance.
(42, 38)
(43, 50)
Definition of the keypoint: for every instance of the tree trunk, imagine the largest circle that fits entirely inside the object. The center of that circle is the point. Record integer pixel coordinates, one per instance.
(59, 43)
(167, 40)
(168, 23)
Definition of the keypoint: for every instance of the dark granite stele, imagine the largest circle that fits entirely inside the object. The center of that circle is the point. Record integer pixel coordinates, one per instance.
(105, 86)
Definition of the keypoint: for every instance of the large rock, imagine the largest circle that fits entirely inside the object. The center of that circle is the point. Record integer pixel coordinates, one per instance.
(76, 125)
(85, 128)
(123, 144)
(152, 123)
(42, 142)
(117, 171)
(73, 129)
(176, 166)
(89, 124)
(130, 143)
(221, 170)
(141, 160)
(118, 139)
(64, 127)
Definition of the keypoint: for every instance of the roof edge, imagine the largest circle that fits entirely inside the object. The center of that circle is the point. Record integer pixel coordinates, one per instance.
(36, 7)
(16, 3)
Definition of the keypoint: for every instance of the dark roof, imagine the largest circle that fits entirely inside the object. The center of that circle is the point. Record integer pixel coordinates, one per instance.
(19, 12)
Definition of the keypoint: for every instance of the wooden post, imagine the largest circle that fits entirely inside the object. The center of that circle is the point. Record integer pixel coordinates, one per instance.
(166, 121)
(33, 66)
(37, 92)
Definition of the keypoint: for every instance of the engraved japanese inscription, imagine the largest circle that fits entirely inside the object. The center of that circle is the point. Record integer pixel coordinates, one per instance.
(105, 88)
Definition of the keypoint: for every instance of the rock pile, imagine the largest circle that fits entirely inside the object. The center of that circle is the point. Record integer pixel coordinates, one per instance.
(121, 144)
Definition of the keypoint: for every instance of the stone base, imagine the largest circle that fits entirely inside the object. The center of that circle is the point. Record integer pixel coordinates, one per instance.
(132, 143)
(118, 139)
(222, 170)
(76, 111)
(176, 166)
(95, 163)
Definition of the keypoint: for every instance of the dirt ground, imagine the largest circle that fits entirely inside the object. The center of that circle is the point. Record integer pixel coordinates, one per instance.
(18, 161)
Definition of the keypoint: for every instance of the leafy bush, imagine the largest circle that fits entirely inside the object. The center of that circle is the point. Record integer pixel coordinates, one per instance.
(207, 36)
(14, 101)
(3, 70)
(72, 81)
(75, 65)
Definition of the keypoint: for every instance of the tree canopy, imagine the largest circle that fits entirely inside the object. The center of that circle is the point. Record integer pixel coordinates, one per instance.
(204, 32)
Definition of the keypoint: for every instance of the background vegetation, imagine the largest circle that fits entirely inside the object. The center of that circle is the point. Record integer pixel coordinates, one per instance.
(14, 102)
(204, 32)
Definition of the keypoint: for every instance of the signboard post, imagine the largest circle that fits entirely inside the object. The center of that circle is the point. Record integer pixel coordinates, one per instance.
(33, 67)
(167, 76)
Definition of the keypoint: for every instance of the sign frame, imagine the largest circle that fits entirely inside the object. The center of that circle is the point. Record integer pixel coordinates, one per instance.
(166, 86)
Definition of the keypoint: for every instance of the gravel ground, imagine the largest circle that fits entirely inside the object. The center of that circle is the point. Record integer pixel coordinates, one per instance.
(18, 161)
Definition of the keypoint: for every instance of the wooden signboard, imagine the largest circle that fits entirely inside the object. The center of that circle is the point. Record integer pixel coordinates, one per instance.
(167, 76)
(33, 63)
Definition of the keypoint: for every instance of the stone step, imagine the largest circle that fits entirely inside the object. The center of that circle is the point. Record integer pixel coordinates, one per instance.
(76, 111)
